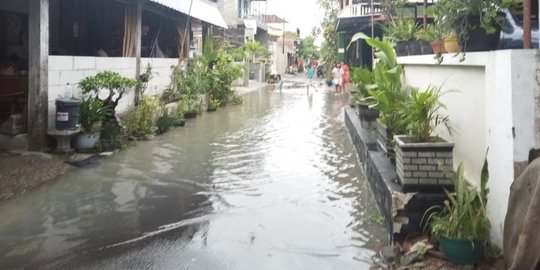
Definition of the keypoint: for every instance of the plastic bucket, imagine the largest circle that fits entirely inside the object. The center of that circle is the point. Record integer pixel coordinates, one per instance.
(67, 113)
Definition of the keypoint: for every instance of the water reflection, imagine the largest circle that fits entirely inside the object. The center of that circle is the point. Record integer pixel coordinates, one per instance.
(270, 184)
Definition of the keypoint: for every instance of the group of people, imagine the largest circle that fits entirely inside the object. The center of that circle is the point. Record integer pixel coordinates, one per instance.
(340, 74)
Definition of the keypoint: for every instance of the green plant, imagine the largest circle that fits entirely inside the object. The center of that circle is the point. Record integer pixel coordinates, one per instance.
(362, 78)
(463, 215)
(401, 29)
(116, 85)
(432, 33)
(164, 121)
(214, 104)
(253, 49)
(420, 113)
(386, 93)
(140, 120)
(92, 113)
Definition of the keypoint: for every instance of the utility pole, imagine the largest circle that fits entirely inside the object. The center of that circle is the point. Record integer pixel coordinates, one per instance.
(283, 34)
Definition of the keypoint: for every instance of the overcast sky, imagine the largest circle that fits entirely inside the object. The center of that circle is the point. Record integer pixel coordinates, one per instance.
(303, 13)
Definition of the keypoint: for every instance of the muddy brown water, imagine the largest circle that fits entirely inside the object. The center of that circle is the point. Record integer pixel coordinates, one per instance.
(271, 184)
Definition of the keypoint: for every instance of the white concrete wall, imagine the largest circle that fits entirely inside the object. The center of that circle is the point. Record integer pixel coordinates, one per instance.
(488, 95)
(72, 69)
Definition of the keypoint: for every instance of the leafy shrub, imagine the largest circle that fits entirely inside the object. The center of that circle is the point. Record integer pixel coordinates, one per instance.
(92, 112)
(237, 99)
(139, 121)
(164, 121)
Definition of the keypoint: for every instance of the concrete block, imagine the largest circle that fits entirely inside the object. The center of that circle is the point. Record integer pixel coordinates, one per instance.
(407, 174)
(71, 76)
(54, 78)
(105, 63)
(426, 154)
(420, 174)
(122, 63)
(60, 62)
(445, 181)
(418, 161)
(410, 181)
(406, 160)
(448, 161)
(84, 62)
(435, 161)
(56, 92)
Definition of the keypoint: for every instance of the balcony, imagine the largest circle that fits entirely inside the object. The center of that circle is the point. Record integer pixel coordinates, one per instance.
(361, 10)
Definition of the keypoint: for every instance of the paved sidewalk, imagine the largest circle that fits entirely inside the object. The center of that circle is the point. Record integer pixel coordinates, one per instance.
(253, 86)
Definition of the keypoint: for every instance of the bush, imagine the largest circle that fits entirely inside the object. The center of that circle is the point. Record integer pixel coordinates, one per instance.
(139, 121)
(237, 99)
(164, 121)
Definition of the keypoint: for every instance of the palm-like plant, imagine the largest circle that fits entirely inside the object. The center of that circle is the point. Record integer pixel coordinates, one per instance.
(420, 114)
(401, 29)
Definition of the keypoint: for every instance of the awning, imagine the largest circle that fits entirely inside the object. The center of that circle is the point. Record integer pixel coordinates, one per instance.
(201, 9)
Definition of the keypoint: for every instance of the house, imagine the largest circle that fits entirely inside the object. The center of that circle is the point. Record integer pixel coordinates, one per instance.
(363, 16)
(47, 44)
(282, 42)
(246, 20)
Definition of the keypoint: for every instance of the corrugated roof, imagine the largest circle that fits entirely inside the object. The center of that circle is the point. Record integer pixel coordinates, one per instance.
(201, 9)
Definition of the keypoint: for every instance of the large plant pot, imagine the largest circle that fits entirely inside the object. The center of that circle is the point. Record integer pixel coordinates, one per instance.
(478, 39)
(366, 113)
(86, 141)
(438, 47)
(413, 47)
(401, 48)
(425, 47)
(461, 251)
(451, 44)
(190, 114)
(421, 166)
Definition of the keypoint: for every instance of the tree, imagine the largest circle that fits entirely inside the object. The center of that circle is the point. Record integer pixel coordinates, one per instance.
(328, 29)
(307, 49)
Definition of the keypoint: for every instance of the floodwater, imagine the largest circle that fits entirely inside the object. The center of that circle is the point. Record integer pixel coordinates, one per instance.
(271, 184)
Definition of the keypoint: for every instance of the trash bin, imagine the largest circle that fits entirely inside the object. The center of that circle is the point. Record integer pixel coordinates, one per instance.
(67, 113)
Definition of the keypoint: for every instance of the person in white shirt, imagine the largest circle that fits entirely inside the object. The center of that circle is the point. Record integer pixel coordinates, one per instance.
(337, 73)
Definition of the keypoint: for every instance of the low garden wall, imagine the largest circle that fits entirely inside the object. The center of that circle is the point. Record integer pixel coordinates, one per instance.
(72, 69)
(493, 101)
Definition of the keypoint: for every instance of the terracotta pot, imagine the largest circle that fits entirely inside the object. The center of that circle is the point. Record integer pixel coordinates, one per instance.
(438, 47)
(451, 44)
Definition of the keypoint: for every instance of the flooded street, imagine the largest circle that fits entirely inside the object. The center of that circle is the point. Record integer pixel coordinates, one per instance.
(271, 184)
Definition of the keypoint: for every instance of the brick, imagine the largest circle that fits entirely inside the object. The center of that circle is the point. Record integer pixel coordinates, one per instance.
(444, 154)
(435, 161)
(418, 161)
(436, 174)
(410, 167)
(427, 181)
(445, 181)
(419, 174)
(413, 181)
(426, 154)
(406, 161)
(407, 174)
(409, 154)
(427, 167)
(448, 161)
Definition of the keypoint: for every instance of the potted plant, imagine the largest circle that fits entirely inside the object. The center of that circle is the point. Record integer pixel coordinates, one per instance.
(419, 155)
(362, 79)
(213, 105)
(461, 225)
(92, 113)
(402, 31)
(386, 94)
(434, 34)
(476, 23)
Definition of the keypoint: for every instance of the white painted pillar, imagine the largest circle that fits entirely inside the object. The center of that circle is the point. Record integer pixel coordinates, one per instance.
(38, 77)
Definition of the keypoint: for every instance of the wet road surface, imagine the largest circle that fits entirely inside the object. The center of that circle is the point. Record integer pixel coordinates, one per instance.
(271, 184)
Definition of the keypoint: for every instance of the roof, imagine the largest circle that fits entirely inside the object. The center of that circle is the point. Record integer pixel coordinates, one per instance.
(201, 9)
(274, 19)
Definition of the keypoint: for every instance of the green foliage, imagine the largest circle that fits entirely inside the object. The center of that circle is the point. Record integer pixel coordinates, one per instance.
(253, 49)
(116, 85)
(214, 103)
(420, 113)
(144, 78)
(140, 120)
(401, 29)
(464, 213)
(433, 32)
(92, 113)
(164, 121)
(306, 49)
(190, 104)
(362, 78)
(223, 74)
(329, 46)
(386, 93)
